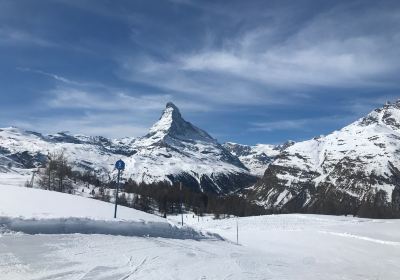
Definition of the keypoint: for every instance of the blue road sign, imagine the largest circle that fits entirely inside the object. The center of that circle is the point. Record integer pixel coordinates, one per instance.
(120, 165)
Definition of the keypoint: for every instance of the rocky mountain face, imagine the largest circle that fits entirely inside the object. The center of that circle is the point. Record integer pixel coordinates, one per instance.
(256, 158)
(173, 150)
(351, 171)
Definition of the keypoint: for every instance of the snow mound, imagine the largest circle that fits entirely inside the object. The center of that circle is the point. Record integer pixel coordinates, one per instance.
(90, 226)
(35, 211)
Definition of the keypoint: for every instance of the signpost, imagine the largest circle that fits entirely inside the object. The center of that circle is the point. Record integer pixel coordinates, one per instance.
(180, 196)
(119, 165)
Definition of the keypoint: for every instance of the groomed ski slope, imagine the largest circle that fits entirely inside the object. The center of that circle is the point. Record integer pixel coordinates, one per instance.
(271, 247)
(315, 246)
(135, 246)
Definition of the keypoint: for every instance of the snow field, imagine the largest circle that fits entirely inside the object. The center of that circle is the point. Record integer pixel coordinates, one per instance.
(138, 245)
(35, 211)
(315, 246)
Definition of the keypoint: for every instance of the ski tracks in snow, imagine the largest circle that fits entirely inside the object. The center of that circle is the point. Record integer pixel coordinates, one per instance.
(136, 269)
(365, 238)
(105, 270)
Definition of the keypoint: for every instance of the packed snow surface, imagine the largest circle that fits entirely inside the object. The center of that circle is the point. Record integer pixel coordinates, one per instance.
(270, 247)
(38, 211)
(298, 246)
(41, 204)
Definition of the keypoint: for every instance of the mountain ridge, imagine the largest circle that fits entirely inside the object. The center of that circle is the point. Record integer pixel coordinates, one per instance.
(340, 172)
(173, 150)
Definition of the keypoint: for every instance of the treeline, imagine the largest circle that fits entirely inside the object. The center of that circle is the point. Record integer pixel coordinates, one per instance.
(162, 197)
(330, 201)
(168, 199)
(57, 175)
(377, 205)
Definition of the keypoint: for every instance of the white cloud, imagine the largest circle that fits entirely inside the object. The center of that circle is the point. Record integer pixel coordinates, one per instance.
(108, 125)
(209, 87)
(351, 62)
(115, 100)
(330, 49)
(108, 113)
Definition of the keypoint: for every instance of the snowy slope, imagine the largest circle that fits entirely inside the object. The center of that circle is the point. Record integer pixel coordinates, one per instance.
(135, 247)
(44, 204)
(38, 211)
(351, 165)
(315, 246)
(173, 150)
(80, 240)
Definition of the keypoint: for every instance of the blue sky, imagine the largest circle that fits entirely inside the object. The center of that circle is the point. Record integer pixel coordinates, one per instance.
(245, 71)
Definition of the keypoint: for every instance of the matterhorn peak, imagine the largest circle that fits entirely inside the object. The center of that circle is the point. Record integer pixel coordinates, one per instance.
(171, 105)
(172, 124)
(169, 116)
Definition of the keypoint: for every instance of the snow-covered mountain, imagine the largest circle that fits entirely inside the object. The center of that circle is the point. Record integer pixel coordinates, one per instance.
(173, 150)
(176, 150)
(339, 172)
(255, 158)
(20, 149)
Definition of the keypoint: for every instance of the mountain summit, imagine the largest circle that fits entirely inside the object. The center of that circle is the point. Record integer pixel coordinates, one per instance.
(176, 150)
(171, 124)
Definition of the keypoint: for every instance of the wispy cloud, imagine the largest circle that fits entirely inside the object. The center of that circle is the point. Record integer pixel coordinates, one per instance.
(330, 49)
(51, 75)
(305, 124)
(74, 85)
(13, 36)
(66, 97)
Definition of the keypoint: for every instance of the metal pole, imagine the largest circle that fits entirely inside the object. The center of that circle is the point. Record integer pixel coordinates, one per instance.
(237, 231)
(180, 188)
(116, 195)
